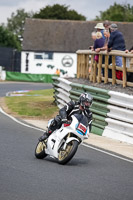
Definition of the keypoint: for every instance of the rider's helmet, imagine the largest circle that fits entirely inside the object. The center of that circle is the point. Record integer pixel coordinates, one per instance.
(85, 100)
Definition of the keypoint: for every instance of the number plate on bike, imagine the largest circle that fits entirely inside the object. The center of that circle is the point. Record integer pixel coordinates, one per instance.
(82, 128)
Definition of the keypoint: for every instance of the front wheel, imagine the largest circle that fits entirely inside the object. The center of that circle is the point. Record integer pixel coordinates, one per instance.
(66, 155)
(40, 150)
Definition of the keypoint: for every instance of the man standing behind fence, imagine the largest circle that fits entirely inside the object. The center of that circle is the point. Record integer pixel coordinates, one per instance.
(116, 42)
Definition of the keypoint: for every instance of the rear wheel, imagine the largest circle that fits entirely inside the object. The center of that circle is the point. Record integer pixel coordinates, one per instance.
(40, 150)
(66, 155)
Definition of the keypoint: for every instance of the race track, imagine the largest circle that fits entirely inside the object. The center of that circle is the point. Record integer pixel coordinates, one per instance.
(91, 174)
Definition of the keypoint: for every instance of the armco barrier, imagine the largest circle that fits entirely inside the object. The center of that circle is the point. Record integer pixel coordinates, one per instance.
(112, 111)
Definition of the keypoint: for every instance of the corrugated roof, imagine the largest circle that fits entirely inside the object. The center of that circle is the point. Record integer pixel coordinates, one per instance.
(64, 35)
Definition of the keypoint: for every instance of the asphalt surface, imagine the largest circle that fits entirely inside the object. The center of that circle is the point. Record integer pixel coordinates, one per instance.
(15, 86)
(89, 175)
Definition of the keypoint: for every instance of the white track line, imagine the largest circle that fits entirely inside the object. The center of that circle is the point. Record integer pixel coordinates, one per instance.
(86, 145)
(14, 119)
(105, 152)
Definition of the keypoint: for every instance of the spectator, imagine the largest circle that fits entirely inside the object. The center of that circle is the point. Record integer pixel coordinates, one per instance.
(93, 36)
(57, 72)
(129, 74)
(130, 50)
(106, 35)
(107, 24)
(99, 27)
(116, 42)
(99, 42)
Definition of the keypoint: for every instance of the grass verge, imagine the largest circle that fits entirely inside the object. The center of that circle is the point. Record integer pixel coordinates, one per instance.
(36, 104)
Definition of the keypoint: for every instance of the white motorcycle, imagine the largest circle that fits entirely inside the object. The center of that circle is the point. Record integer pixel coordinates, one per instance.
(63, 143)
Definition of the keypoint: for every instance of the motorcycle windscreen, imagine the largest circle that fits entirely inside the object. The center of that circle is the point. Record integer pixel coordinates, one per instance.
(83, 124)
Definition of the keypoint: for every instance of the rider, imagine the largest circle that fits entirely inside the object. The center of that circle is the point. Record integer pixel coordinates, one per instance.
(78, 107)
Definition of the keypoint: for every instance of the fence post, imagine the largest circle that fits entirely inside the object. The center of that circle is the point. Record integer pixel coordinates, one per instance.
(78, 66)
(99, 68)
(92, 68)
(86, 66)
(83, 66)
(95, 71)
(124, 72)
(106, 69)
(113, 70)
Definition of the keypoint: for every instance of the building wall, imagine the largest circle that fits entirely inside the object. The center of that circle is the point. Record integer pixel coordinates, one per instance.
(48, 63)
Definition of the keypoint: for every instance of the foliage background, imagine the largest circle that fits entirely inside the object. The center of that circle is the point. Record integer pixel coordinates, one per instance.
(12, 33)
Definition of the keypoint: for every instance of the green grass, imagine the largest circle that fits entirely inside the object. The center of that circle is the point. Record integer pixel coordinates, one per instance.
(38, 104)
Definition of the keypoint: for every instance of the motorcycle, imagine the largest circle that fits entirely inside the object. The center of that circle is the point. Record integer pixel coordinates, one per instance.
(63, 143)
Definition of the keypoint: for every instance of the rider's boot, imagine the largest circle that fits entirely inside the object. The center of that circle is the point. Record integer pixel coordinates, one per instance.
(47, 133)
(45, 136)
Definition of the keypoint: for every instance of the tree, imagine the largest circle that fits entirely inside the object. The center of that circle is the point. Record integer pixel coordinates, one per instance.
(117, 12)
(58, 12)
(8, 39)
(15, 24)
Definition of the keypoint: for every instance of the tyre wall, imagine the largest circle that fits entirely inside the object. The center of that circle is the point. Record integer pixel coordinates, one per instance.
(112, 111)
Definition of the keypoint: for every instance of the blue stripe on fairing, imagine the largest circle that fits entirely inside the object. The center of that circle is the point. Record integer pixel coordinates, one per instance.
(81, 132)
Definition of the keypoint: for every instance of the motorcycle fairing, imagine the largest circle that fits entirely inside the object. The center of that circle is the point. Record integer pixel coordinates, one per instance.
(81, 129)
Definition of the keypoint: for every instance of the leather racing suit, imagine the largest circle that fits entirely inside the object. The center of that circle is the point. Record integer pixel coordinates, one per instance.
(65, 114)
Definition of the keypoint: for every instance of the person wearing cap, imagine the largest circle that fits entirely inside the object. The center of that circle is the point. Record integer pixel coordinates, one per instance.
(107, 24)
(105, 32)
(100, 28)
(116, 42)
